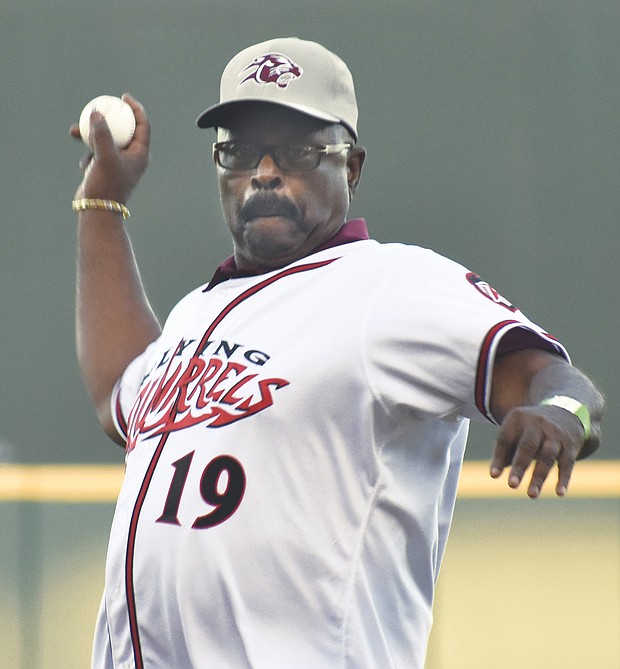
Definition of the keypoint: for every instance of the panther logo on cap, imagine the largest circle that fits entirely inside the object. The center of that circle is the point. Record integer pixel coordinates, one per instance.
(273, 68)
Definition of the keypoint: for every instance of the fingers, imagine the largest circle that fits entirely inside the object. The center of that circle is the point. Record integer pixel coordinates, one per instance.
(99, 138)
(502, 455)
(545, 459)
(565, 465)
(111, 172)
(142, 134)
(519, 449)
(529, 436)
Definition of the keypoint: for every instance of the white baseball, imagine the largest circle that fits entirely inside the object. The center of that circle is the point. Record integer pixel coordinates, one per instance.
(118, 115)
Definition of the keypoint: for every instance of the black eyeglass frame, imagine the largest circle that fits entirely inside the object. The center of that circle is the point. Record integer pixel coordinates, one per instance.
(273, 150)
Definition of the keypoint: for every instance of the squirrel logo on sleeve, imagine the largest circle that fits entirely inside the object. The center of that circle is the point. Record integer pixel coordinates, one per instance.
(489, 292)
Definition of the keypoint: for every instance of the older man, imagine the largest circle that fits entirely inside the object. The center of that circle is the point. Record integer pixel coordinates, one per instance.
(295, 432)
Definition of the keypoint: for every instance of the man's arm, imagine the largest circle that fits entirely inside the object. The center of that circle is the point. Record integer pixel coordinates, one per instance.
(531, 432)
(114, 321)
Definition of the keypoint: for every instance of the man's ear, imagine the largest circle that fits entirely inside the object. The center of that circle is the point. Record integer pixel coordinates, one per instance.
(355, 162)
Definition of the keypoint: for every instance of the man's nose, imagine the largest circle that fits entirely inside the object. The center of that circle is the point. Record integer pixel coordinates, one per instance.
(267, 175)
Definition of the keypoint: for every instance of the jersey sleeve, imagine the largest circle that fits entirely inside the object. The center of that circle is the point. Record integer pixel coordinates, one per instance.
(504, 337)
(434, 330)
(127, 387)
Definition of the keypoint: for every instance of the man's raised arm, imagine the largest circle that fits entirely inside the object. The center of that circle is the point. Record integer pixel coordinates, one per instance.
(114, 320)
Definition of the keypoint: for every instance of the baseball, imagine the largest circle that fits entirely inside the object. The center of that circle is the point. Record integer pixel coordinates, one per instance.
(118, 115)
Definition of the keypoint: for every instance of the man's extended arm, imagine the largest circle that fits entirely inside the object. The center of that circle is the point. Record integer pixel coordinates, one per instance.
(531, 432)
(114, 321)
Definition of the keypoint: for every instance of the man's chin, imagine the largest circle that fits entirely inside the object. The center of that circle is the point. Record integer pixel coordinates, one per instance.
(273, 240)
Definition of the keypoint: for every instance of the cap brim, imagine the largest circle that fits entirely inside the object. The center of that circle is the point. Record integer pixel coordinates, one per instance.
(216, 115)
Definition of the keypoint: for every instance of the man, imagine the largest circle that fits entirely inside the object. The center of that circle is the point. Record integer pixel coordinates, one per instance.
(295, 432)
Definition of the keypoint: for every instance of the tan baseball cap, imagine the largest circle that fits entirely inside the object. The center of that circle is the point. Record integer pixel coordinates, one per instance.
(290, 72)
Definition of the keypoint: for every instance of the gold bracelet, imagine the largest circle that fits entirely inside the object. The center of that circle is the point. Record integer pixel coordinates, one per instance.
(104, 205)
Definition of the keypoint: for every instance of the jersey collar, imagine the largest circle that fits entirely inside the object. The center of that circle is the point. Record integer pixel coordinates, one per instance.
(354, 230)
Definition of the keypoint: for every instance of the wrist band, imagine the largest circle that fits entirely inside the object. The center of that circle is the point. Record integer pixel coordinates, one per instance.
(104, 205)
(575, 407)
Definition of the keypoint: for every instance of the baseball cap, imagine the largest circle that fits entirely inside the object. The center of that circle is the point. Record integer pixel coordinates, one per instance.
(289, 72)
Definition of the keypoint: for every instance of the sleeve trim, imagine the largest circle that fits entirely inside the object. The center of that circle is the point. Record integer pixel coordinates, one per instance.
(489, 349)
(117, 411)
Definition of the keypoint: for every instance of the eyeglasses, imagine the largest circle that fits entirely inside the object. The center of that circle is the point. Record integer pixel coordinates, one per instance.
(291, 157)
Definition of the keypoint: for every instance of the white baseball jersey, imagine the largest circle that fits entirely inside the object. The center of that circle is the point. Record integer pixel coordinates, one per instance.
(294, 441)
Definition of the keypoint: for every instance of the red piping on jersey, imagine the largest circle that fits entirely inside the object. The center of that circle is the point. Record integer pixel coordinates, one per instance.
(254, 289)
(133, 525)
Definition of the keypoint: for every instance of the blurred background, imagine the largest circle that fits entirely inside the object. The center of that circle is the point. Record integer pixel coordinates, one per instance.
(493, 137)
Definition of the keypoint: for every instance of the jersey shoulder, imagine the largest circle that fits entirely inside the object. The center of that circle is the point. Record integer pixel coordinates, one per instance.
(410, 262)
(391, 253)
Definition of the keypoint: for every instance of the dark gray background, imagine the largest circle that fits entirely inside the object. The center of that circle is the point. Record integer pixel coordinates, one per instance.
(492, 133)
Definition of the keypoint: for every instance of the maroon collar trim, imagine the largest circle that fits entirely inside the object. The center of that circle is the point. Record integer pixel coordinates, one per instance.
(354, 230)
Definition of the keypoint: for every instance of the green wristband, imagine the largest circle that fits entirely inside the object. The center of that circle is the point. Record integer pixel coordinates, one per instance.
(575, 407)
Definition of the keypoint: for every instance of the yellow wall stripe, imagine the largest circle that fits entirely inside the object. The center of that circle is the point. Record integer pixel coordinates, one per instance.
(591, 478)
(60, 483)
(81, 484)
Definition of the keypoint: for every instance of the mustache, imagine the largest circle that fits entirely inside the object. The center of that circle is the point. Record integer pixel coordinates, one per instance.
(269, 204)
